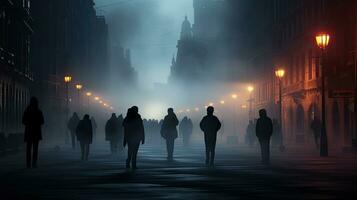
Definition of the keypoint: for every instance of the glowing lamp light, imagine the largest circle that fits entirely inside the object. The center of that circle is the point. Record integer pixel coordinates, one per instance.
(89, 94)
(222, 102)
(250, 89)
(197, 109)
(67, 79)
(96, 98)
(79, 86)
(234, 96)
(244, 106)
(100, 101)
(211, 104)
(279, 73)
(322, 40)
(111, 108)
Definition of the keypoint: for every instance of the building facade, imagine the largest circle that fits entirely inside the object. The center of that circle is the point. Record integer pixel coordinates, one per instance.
(295, 24)
(15, 73)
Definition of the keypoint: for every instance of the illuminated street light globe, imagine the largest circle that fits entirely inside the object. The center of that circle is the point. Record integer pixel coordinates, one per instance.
(279, 73)
(79, 86)
(89, 94)
(250, 89)
(222, 102)
(322, 40)
(96, 98)
(100, 101)
(234, 96)
(197, 109)
(211, 104)
(67, 79)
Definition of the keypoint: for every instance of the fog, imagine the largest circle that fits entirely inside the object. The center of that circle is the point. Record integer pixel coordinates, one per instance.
(151, 30)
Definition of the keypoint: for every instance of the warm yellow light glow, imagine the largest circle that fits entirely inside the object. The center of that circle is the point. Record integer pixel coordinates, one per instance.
(96, 98)
(79, 86)
(211, 104)
(244, 106)
(100, 101)
(234, 96)
(280, 73)
(89, 94)
(322, 40)
(250, 89)
(67, 79)
(222, 102)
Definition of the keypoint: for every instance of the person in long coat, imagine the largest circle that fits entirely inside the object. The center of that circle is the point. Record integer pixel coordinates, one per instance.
(33, 120)
(112, 133)
(72, 125)
(210, 126)
(133, 134)
(169, 132)
(264, 131)
(85, 136)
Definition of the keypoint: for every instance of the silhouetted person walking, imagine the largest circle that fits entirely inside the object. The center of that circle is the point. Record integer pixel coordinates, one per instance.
(169, 132)
(210, 125)
(250, 137)
(85, 136)
(316, 126)
(72, 125)
(185, 129)
(133, 135)
(264, 131)
(112, 133)
(33, 120)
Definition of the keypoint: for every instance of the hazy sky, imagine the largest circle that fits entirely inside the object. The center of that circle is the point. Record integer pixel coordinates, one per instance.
(150, 28)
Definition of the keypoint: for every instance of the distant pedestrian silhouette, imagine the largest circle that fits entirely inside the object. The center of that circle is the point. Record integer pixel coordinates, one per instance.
(316, 126)
(112, 133)
(276, 139)
(72, 125)
(210, 125)
(85, 136)
(169, 132)
(250, 137)
(33, 120)
(133, 135)
(264, 131)
(185, 129)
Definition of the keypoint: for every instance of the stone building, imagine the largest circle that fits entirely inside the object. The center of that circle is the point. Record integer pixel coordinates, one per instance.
(15, 73)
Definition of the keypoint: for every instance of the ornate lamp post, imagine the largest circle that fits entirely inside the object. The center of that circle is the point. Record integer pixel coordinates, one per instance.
(250, 100)
(322, 41)
(67, 80)
(235, 110)
(88, 94)
(279, 74)
(79, 87)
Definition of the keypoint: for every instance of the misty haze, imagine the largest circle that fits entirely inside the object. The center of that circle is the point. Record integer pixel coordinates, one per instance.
(178, 99)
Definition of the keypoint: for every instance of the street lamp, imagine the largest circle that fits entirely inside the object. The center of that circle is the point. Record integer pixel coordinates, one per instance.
(222, 102)
(322, 41)
(280, 73)
(67, 80)
(79, 87)
(96, 98)
(88, 94)
(250, 90)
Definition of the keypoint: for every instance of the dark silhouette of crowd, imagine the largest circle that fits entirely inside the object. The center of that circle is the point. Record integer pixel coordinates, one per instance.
(132, 131)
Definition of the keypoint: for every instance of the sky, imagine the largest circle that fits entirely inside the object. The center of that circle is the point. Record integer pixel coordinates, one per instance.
(150, 28)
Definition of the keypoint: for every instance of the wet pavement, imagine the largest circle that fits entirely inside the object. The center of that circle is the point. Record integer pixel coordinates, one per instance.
(238, 174)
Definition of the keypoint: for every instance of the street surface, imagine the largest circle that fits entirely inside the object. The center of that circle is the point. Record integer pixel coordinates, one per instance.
(238, 175)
